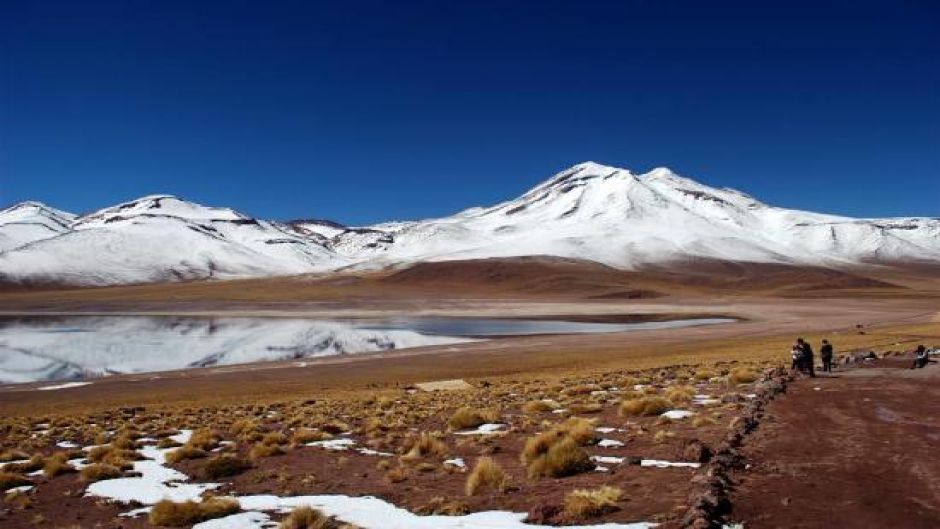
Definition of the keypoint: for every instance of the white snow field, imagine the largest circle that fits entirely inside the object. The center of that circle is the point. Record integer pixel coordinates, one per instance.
(589, 211)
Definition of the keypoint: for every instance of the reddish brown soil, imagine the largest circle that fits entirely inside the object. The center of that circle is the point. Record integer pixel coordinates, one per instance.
(859, 452)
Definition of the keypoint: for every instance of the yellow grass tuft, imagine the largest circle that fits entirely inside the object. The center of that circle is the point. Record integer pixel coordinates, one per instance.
(584, 503)
(645, 406)
(426, 445)
(224, 466)
(100, 472)
(9, 480)
(185, 452)
(171, 514)
(742, 375)
(678, 395)
(486, 473)
(540, 406)
(307, 518)
(554, 454)
(465, 418)
(56, 465)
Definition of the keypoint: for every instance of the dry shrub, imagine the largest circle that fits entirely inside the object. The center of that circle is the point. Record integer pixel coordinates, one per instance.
(540, 406)
(645, 406)
(307, 518)
(35, 463)
(582, 431)
(262, 450)
(204, 439)
(166, 442)
(442, 506)
(426, 467)
(274, 438)
(171, 514)
(245, 426)
(113, 456)
(742, 375)
(465, 418)
(702, 420)
(486, 473)
(678, 395)
(125, 441)
(335, 427)
(100, 472)
(584, 503)
(397, 475)
(9, 480)
(554, 454)
(224, 466)
(586, 407)
(13, 455)
(662, 436)
(308, 435)
(583, 389)
(426, 445)
(704, 374)
(185, 452)
(56, 465)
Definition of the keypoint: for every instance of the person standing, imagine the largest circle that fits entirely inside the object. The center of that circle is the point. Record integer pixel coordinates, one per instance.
(921, 357)
(796, 352)
(807, 356)
(826, 353)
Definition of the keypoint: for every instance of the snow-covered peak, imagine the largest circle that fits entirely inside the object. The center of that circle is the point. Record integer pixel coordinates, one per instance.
(32, 211)
(160, 206)
(579, 174)
(27, 222)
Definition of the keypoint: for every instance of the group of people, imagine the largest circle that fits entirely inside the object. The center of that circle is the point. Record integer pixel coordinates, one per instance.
(803, 358)
(803, 361)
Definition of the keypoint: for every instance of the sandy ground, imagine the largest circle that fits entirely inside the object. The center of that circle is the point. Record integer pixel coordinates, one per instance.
(853, 450)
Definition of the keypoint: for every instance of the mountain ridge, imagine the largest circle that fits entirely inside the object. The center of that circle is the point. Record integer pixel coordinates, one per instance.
(588, 211)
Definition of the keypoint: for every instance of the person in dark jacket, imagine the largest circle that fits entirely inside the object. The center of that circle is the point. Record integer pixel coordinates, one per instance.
(826, 353)
(921, 357)
(807, 356)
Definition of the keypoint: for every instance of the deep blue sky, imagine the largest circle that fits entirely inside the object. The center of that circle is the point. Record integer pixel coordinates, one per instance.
(363, 111)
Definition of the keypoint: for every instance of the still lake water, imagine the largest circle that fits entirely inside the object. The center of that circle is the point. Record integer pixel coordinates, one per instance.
(76, 347)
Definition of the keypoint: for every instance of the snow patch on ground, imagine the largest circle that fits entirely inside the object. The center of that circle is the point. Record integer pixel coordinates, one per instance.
(666, 464)
(373, 513)
(484, 429)
(334, 444)
(66, 385)
(242, 520)
(156, 481)
(678, 414)
(456, 462)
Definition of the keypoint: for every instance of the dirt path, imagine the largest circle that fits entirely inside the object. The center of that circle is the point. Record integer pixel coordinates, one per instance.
(857, 450)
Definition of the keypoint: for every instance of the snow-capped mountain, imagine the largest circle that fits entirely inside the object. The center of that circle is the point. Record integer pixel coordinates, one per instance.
(625, 220)
(589, 211)
(162, 238)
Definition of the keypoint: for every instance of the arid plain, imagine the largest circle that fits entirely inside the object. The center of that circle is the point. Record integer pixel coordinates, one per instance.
(603, 394)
